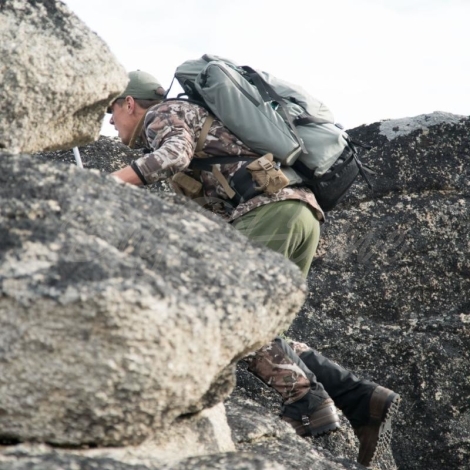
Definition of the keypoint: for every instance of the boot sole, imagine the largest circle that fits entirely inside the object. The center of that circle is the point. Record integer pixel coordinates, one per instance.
(324, 430)
(384, 436)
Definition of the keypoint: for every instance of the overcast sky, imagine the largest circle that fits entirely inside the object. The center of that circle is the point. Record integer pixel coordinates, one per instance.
(368, 60)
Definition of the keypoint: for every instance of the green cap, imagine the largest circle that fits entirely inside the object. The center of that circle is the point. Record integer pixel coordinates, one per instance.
(142, 86)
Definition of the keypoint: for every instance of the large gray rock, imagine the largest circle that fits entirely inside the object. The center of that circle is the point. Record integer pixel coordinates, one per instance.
(58, 79)
(121, 311)
(190, 436)
(263, 442)
(29, 457)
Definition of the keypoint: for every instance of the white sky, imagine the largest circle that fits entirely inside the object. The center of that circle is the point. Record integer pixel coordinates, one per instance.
(367, 60)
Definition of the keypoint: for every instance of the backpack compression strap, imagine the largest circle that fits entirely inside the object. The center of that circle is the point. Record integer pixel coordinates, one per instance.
(363, 169)
(269, 94)
(208, 164)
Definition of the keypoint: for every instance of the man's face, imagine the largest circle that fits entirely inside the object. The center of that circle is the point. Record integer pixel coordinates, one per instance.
(122, 120)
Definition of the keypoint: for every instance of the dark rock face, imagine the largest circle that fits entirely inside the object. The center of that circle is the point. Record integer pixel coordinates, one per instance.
(107, 154)
(415, 155)
(388, 294)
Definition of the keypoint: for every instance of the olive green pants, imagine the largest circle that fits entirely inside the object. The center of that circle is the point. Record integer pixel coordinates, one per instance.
(288, 227)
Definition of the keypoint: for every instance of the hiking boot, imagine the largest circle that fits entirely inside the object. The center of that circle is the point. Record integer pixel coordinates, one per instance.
(350, 393)
(375, 436)
(368, 406)
(323, 420)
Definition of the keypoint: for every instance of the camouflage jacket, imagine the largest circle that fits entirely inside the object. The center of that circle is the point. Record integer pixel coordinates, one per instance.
(170, 132)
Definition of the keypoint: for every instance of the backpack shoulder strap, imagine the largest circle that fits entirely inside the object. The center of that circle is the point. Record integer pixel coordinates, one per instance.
(202, 136)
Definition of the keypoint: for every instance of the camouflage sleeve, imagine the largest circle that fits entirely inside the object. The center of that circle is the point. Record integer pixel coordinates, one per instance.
(171, 130)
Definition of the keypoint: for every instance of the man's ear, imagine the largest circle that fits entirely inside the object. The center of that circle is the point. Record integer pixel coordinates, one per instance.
(129, 104)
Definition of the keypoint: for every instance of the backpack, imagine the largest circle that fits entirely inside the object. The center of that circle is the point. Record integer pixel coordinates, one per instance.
(272, 116)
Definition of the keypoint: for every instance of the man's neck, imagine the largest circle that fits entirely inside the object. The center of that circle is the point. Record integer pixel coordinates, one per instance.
(138, 128)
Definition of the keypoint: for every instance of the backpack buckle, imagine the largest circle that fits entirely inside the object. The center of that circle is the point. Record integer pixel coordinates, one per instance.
(265, 164)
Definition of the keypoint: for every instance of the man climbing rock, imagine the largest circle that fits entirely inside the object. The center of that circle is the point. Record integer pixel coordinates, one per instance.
(174, 135)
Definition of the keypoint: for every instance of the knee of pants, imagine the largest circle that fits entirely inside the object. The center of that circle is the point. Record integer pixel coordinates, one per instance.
(299, 348)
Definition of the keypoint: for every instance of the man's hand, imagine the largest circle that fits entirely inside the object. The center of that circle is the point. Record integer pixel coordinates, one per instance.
(127, 175)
